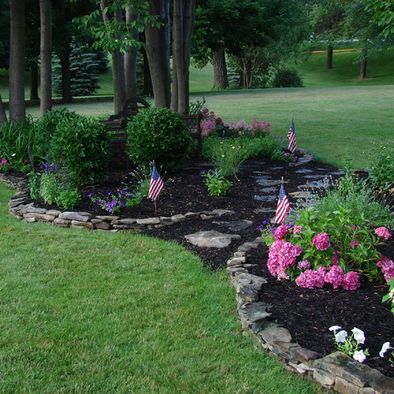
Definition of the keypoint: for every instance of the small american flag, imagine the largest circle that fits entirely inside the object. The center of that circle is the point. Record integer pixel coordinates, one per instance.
(283, 206)
(291, 136)
(156, 184)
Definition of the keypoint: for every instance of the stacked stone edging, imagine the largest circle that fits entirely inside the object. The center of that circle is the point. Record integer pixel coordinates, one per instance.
(335, 371)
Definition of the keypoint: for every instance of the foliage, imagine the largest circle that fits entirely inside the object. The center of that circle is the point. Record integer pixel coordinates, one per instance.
(49, 188)
(80, 144)
(382, 12)
(382, 170)
(68, 198)
(216, 183)
(196, 107)
(389, 297)
(84, 69)
(161, 135)
(286, 78)
(35, 185)
(112, 201)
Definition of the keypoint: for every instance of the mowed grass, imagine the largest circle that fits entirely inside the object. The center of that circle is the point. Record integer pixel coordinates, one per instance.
(102, 312)
(344, 126)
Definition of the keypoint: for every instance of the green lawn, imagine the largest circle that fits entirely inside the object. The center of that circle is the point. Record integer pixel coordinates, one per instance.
(342, 126)
(102, 312)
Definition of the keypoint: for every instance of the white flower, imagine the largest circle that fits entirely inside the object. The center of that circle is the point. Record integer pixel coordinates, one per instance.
(13, 155)
(341, 336)
(358, 335)
(335, 328)
(359, 356)
(386, 346)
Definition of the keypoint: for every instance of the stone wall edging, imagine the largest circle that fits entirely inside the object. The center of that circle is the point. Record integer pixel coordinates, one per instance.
(335, 371)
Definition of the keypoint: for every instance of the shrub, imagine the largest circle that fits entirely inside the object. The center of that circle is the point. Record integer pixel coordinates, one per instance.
(80, 145)
(216, 183)
(68, 198)
(382, 170)
(49, 188)
(161, 135)
(286, 78)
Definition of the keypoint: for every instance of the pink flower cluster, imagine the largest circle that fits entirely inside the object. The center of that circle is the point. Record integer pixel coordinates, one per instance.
(281, 231)
(281, 256)
(3, 161)
(297, 229)
(383, 233)
(321, 241)
(240, 125)
(387, 267)
(310, 279)
(207, 126)
(260, 126)
(304, 265)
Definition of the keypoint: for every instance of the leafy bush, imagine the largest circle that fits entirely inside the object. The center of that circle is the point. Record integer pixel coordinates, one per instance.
(49, 188)
(140, 192)
(34, 185)
(68, 198)
(216, 183)
(389, 297)
(80, 145)
(382, 170)
(44, 129)
(286, 78)
(17, 140)
(161, 135)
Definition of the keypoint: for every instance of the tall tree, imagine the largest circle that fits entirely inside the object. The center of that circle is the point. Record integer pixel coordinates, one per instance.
(183, 21)
(17, 60)
(45, 55)
(157, 52)
(130, 58)
(382, 13)
(3, 116)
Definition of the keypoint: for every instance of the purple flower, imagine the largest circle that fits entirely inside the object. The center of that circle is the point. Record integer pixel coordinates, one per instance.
(304, 264)
(48, 167)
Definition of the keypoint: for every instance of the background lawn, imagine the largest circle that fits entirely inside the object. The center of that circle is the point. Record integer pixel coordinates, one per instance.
(101, 312)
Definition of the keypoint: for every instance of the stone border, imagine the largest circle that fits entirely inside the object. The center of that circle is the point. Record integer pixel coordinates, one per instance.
(335, 371)
(27, 211)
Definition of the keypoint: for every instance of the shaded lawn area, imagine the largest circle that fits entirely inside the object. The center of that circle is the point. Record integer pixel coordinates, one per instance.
(89, 311)
(343, 126)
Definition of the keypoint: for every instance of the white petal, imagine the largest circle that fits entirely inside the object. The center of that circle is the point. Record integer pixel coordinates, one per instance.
(359, 356)
(334, 328)
(341, 336)
(386, 346)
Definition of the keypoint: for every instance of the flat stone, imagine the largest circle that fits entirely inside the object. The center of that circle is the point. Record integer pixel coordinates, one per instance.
(304, 355)
(148, 221)
(77, 216)
(307, 158)
(106, 217)
(211, 239)
(301, 368)
(222, 212)
(245, 247)
(301, 194)
(248, 281)
(53, 212)
(265, 197)
(191, 214)
(16, 202)
(236, 261)
(126, 226)
(239, 254)
(33, 209)
(345, 387)
(366, 390)
(127, 221)
(323, 377)
(235, 225)
(275, 334)
(61, 222)
(264, 210)
(204, 216)
(94, 220)
(102, 225)
(42, 217)
(178, 218)
(87, 225)
(315, 176)
(30, 220)
(267, 183)
(303, 171)
(269, 189)
(254, 312)
(165, 219)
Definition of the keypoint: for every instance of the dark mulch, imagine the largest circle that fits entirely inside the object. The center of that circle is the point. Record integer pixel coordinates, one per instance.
(308, 313)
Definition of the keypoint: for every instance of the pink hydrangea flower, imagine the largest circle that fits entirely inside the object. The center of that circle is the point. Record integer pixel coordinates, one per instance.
(297, 229)
(310, 279)
(304, 264)
(383, 232)
(3, 161)
(207, 126)
(351, 281)
(321, 241)
(281, 231)
(335, 276)
(282, 255)
(354, 244)
(387, 267)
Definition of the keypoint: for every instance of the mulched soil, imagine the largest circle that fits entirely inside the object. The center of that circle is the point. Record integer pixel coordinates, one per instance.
(306, 313)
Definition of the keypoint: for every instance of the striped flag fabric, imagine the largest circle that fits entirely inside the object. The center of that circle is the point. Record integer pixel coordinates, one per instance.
(291, 137)
(283, 206)
(156, 184)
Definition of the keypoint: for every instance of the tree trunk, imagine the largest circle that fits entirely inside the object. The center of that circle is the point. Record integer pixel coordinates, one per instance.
(330, 57)
(148, 89)
(130, 61)
(158, 53)
(183, 21)
(363, 63)
(17, 107)
(3, 116)
(220, 79)
(66, 75)
(45, 55)
(34, 82)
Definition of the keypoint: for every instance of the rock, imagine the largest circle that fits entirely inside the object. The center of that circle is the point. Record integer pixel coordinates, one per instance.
(236, 261)
(177, 218)
(264, 210)
(381, 383)
(211, 239)
(303, 171)
(324, 378)
(235, 225)
(127, 221)
(302, 194)
(108, 218)
(275, 334)
(366, 390)
(204, 216)
(251, 313)
(16, 202)
(345, 387)
(265, 197)
(302, 160)
(126, 226)
(77, 216)
(102, 225)
(245, 247)
(304, 355)
(33, 209)
(269, 190)
(42, 217)
(61, 222)
(78, 224)
(300, 368)
(53, 212)
(148, 221)
(239, 254)
(191, 214)
(222, 212)
(30, 220)
(94, 220)
(165, 220)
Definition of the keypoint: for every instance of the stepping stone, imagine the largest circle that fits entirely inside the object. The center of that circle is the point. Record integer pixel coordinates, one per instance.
(314, 176)
(211, 239)
(267, 183)
(265, 198)
(276, 168)
(236, 225)
(264, 210)
(337, 173)
(302, 194)
(269, 189)
(304, 171)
